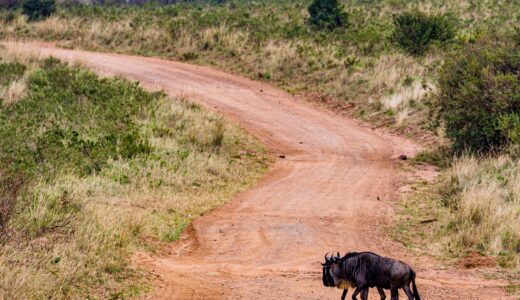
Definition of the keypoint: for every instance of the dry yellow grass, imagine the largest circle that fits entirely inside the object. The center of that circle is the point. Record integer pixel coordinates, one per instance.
(14, 92)
(486, 206)
(475, 207)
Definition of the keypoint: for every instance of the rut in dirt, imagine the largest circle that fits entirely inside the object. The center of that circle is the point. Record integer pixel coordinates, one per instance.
(322, 196)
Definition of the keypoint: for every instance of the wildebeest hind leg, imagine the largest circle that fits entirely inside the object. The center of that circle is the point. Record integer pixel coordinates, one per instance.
(344, 294)
(394, 293)
(408, 292)
(381, 293)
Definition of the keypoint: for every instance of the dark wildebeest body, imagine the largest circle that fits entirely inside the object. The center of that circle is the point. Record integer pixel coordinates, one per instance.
(365, 270)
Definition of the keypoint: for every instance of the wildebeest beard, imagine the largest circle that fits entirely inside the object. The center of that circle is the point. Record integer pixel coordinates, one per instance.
(327, 278)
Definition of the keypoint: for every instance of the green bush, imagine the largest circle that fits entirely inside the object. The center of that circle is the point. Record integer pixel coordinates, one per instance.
(415, 31)
(479, 100)
(38, 9)
(327, 14)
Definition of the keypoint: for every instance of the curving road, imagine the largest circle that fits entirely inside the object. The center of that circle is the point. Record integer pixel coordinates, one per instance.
(266, 243)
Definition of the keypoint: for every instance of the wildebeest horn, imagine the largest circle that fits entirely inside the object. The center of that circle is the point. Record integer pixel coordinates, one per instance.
(338, 255)
(326, 259)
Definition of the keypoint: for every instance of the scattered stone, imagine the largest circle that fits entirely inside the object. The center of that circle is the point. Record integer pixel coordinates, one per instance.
(213, 172)
(403, 157)
(281, 156)
(428, 221)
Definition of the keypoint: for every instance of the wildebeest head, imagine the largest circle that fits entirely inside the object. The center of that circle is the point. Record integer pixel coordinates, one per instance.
(329, 267)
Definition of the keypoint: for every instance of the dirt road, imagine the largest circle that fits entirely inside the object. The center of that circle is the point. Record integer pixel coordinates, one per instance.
(268, 242)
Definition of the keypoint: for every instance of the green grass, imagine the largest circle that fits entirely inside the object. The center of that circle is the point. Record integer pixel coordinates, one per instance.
(94, 169)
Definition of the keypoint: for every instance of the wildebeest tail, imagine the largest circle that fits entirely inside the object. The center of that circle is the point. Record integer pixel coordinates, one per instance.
(414, 286)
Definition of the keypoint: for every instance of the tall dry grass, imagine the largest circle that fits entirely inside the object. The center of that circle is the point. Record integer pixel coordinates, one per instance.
(14, 92)
(483, 200)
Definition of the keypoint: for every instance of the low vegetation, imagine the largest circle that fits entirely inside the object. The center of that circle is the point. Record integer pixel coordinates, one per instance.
(472, 208)
(94, 169)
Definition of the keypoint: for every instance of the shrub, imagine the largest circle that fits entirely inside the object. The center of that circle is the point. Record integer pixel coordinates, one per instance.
(479, 100)
(38, 9)
(327, 14)
(415, 31)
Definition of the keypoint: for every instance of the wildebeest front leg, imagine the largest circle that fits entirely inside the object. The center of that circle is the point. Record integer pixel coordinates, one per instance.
(344, 294)
(364, 294)
(356, 292)
(381, 293)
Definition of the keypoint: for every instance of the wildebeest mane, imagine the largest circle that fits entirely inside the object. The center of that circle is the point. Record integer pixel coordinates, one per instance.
(354, 254)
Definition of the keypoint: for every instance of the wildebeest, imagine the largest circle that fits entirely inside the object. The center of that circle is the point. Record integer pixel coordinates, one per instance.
(365, 270)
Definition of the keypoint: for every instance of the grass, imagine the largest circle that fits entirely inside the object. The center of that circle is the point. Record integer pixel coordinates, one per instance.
(472, 207)
(94, 169)
(271, 40)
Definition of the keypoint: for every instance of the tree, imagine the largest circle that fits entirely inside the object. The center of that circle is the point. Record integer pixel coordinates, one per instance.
(327, 14)
(415, 31)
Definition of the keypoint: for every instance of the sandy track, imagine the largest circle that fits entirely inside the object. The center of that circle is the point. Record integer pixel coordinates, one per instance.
(266, 243)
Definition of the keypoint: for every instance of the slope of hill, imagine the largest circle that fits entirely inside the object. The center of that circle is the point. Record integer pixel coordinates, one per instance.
(94, 169)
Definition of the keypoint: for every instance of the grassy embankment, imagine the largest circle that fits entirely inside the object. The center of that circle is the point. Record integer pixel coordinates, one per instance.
(94, 169)
(471, 210)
